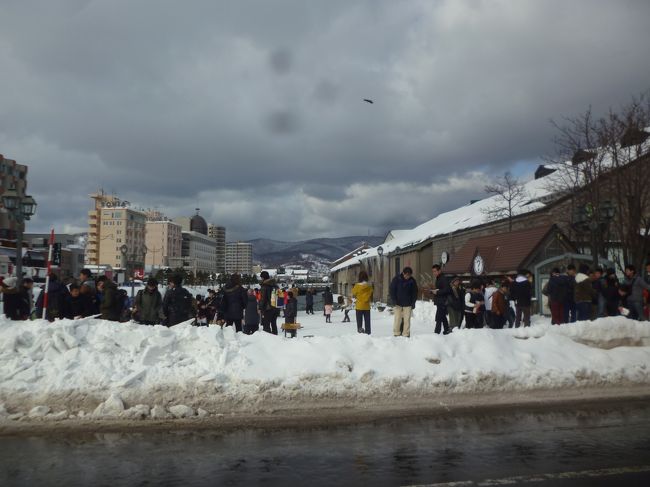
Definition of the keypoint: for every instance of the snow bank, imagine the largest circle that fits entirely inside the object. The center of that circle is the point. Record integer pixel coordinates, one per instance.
(110, 369)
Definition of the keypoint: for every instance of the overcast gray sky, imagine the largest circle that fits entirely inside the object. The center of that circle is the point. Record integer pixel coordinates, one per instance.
(253, 111)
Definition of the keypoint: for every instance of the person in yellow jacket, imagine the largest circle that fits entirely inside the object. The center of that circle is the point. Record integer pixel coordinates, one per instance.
(362, 292)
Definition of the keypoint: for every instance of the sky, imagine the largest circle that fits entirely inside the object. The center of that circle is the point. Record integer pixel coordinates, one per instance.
(253, 110)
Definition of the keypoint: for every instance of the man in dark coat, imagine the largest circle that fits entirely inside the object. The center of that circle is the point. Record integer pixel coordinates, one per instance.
(88, 288)
(234, 302)
(111, 302)
(404, 293)
(148, 304)
(178, 302)
(268, 309)
(56, 296)
(440, 292)
(76, 304)
(557, 289)
(18, 302)
(309, 302)
(569, 303)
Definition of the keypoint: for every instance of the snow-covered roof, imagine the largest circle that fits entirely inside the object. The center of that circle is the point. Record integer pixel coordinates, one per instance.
(539, 194)
(393, 234)
(468, 216)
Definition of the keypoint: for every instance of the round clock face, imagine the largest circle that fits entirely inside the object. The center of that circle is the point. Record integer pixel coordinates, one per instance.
(479, 265)
(444, 257)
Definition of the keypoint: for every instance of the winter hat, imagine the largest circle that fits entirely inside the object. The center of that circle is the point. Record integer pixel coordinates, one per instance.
(10, 281)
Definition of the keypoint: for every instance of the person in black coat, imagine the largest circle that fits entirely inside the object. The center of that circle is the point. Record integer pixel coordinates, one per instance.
(441, 293)
(234, 303)
(252, 315)
(557, 289)
(309, 302)
(76, 304)
(611, 295)
(328, 297)
(268, 309)
(569, 303)
(18, 302)
(178, 303)
(291, 308)
(404, 293)
(56, 296)
(521, 292)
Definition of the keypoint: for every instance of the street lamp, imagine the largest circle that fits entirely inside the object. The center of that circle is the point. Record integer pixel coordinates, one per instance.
(594, 220)
(21, 208)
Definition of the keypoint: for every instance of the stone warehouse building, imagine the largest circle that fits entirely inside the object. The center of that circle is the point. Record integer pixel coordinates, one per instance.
(543, 233)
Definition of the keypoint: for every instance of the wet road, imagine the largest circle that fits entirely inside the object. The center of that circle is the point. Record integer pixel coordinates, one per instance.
(586, 447)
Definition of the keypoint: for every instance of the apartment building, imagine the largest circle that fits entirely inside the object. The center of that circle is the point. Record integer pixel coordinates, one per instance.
(239, 257)
(116, 233)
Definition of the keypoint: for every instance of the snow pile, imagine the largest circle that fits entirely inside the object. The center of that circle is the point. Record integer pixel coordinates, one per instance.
(109, 370)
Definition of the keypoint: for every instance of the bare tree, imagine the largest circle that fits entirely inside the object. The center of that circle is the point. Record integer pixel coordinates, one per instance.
(579, 165)
(629, 187)
(510, 193)
(600, 164)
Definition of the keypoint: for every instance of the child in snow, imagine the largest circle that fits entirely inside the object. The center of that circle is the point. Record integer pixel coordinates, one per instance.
(291, 308)
(345, 307)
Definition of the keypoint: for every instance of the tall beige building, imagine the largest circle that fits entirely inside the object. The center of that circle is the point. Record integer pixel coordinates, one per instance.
(239, 257)
(163, 241)
(218, 234)
(116, 233)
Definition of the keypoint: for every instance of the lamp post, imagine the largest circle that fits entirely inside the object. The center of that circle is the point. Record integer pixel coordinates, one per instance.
(380, 253)
(21, 208)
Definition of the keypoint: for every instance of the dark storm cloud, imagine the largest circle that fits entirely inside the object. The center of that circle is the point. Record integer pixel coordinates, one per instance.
(230, 105)
(281, 60)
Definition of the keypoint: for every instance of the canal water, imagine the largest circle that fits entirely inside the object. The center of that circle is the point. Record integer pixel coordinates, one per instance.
(567, 445)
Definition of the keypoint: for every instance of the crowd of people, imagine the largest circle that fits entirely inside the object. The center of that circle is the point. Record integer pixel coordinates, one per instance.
(232, 305)
(577, 294)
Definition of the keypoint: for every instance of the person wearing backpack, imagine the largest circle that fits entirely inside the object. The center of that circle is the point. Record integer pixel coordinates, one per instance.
(268, 303)
(177, 303)
(111, 302)
(148, 304)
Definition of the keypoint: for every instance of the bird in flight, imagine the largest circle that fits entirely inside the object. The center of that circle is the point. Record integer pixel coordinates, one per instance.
(367, 100)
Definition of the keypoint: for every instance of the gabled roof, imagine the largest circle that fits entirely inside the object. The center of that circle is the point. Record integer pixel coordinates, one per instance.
(501, 253)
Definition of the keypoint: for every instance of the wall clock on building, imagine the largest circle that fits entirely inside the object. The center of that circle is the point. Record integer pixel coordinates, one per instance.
(444, 258)
(478, 265)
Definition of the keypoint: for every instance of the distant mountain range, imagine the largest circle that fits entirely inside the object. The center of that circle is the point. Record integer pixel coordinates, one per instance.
(307, 253)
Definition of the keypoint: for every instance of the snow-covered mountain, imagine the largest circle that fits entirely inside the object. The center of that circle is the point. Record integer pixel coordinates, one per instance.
(307, 253)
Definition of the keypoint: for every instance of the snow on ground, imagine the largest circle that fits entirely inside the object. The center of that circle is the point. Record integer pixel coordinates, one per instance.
(76, 365)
